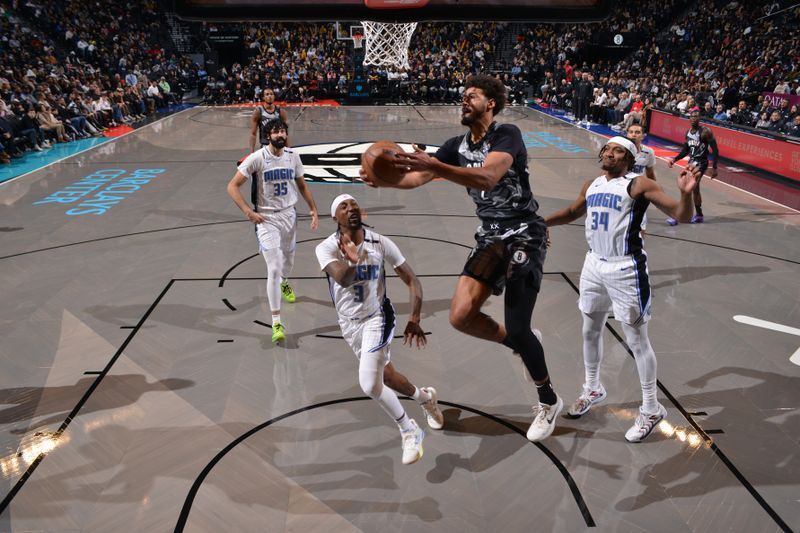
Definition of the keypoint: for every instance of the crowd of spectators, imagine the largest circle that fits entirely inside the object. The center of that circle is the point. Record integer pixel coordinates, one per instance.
(306, 62)
(70, 70)
(716, 54)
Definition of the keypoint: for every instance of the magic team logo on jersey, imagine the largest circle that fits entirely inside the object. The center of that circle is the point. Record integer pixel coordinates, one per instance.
(604, 199)
(367, 272)
(338, 162)
(279, 174)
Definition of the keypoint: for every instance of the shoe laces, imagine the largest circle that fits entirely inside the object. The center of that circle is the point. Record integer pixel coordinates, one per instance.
(409, 438)
(286, 288)
(590, 394)
(540, 412)
(645, 422)
(581, 403)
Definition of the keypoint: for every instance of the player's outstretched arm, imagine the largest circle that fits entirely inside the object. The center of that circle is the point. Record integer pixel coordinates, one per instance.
(683, 153)
(236, 182)
(305, 192)
(714, 149)
(483, 178)
(413, 329)
(410, 180)
(681, 210)
(571, 213)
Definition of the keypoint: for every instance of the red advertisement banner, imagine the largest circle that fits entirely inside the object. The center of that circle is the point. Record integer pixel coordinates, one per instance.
(773, 155)
(775, 99)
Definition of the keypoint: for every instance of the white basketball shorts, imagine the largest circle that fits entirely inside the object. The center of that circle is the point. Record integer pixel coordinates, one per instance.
(279, 230)
(371, 335)
(620, 284)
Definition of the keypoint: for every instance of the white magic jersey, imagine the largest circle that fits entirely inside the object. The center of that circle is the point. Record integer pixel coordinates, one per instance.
(645, 159)
(613, 218)
(367, 295)
(274, 188)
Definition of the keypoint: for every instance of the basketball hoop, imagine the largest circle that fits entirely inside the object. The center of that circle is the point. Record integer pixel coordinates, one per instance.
(358, 41)
(387, 43)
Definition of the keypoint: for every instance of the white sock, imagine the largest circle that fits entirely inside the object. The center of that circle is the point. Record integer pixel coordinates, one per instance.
(276, 317)
(405, 424)
(370, 377)
(637, 339)
(420, 395)
(274, 259)
(593, 347)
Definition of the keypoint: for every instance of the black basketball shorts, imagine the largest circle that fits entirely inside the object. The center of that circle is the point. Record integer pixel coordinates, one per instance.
(506, 254)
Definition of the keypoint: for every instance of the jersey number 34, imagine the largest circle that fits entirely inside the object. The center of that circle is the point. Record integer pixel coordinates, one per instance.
(600, 219)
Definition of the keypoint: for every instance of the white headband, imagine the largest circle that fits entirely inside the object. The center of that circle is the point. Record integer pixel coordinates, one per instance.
(338, 200)
(625, 143)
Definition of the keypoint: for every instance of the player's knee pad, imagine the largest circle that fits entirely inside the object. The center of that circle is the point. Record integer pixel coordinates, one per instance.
(371, 384)
(593, 324)
(517, 329)
(637, 339)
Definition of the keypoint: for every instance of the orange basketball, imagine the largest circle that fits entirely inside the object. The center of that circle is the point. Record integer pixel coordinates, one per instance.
(377, 161)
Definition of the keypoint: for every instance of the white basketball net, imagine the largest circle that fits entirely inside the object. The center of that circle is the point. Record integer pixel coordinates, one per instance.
(387, 43)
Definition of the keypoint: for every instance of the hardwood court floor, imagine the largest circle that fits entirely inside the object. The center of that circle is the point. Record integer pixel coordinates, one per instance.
(141, 391)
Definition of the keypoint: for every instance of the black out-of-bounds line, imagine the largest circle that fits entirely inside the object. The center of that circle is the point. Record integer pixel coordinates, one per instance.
(99, 239)
(75, 410)
(190, 226)
(710, 244)
(227, 273)
(198, 482)
(228, 304)
(713, 445)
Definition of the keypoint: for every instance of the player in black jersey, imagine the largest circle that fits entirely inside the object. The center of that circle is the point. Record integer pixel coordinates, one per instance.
(262, 115)
(699, 139)
(491, 161)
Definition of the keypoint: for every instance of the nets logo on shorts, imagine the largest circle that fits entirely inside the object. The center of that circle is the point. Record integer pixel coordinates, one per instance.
(519, 258)
(337, 162)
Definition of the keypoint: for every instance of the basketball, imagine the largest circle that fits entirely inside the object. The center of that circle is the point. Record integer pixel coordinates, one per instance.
(377, 161)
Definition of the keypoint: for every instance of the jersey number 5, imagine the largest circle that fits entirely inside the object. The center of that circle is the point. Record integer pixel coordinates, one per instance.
(280, 188)
(600, 219)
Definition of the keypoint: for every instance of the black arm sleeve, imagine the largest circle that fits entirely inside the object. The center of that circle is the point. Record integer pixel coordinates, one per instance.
(683, 153)
(712, 145)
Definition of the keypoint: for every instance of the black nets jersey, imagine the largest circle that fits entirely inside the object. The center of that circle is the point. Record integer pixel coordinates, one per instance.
(266, 116)
(698, 148)
(511, 198)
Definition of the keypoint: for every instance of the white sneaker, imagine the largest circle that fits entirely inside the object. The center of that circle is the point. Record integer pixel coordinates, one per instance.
(433, 414)
(412, 444)
(544, 421)
(645, 424)
(586, 400)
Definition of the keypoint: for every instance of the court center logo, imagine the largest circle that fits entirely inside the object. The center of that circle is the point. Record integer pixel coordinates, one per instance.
(338, 162)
